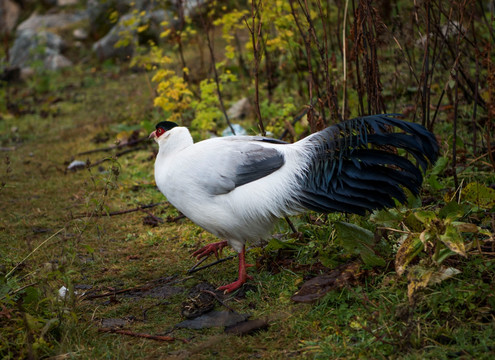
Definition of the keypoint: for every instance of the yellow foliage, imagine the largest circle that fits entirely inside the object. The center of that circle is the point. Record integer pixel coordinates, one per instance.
(114, 16)
(142, 28)
(174, 95)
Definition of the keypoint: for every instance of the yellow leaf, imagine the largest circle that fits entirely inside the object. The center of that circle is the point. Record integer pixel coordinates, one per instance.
(453, 240)
(465, 227)
(355, 325)
(142, 28)
(408, 250)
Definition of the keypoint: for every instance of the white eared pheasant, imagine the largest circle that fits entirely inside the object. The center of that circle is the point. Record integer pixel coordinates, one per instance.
(236, 187)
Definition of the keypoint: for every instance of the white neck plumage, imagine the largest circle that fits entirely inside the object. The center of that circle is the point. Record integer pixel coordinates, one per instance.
(173, 141)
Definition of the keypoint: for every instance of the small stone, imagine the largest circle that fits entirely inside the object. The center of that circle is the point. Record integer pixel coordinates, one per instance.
(80, 34)
(76, 164)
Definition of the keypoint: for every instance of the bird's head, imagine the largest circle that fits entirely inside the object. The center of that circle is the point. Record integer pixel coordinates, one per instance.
(161, 129)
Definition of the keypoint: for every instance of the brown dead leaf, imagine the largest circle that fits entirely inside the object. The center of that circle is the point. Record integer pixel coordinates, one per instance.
(408, 250)
(247, 327)
(420, 278)
(317, 287)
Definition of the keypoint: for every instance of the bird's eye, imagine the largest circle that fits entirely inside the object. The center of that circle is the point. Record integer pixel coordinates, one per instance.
(159, 131)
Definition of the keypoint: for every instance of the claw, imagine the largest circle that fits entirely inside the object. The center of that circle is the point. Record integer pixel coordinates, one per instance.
(243, 276)
(231, 287)
(215, 248)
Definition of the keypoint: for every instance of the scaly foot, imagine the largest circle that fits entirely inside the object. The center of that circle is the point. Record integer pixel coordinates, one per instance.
(215, 248)
(243, 276)
(235, 285)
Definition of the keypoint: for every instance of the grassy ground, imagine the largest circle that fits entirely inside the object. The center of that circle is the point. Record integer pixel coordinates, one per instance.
(53, 235)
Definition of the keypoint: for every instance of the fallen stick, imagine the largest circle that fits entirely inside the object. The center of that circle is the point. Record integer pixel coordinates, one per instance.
(109, 148)
(141, 335)
(116, 155)
(146, 286)
(121, 212)
(175, 219)
(218, 299)
(110, 293)
(194, 268)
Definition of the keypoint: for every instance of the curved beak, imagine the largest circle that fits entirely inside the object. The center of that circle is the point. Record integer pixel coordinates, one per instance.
(152, 135)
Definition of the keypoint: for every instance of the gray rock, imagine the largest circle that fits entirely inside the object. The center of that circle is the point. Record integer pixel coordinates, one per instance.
(37, 44)
(9, 14)
(51, 21)
(99, 11)
(32, 46)
(67, 2)
(105, 47)
(240, 109)
(190, 6)
(56, 61)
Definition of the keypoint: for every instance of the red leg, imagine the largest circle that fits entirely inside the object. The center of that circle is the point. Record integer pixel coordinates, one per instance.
(243, 276)
(215, 248)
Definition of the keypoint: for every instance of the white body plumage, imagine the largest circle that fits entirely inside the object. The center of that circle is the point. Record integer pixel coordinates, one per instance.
(197, 178)
(235, 187)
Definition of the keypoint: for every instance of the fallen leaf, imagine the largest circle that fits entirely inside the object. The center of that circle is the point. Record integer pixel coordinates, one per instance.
(247, 327)
(408, 250)
(213, 319)
(199, 301)
(115, 322)
(163, 291)
(317, 287)
(420, 278)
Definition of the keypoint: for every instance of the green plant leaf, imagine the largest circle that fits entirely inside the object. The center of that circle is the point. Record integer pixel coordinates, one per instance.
(452, 211)
(425, 216)
(443, 254)
(440, 166)
(387, 217)
(434, 183)
(480, 195)
(358, 240)
(413, 224)
(276, 244)
(352, 234)
(453, 240)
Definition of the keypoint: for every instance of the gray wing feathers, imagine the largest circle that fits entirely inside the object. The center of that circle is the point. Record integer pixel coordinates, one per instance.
(258, 163)
(239, 165)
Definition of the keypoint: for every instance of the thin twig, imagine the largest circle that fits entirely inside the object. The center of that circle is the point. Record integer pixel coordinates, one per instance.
(344, 52)
(12, 292)
(291, 225)
(195, 268)
(311, 80)
(111, 158)
(117, 292)
(218, 299)
(121, 212)
(32, 252)
(255, 31)
(392, 229)
(141, 335)
(206, 26)
(426, 68)
(198, 263)
(145, 311)
(177, 218)
(113, 147)
(146, 286)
